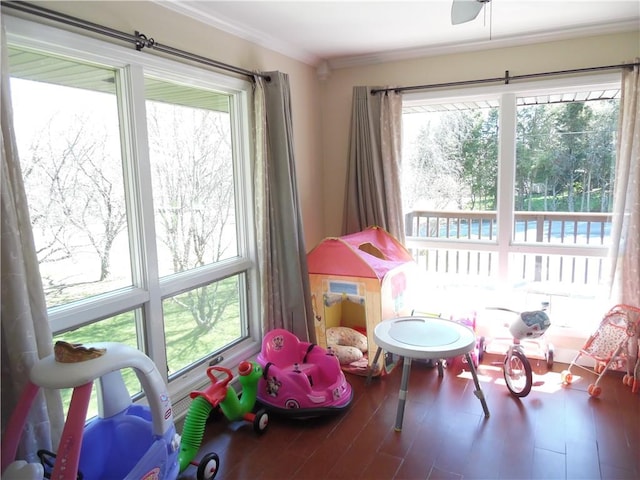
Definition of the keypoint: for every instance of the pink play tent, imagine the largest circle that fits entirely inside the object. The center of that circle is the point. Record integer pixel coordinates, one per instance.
(357, 281)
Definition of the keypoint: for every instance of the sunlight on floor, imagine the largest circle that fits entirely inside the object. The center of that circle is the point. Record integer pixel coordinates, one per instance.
(549, 382)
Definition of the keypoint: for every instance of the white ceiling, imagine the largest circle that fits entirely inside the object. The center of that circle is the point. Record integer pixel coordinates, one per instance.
(345, 33)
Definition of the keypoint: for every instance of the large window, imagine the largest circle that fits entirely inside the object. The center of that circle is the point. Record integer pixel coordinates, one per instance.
(450, 165)
(137, 174)
(564, 177)
(512, 185)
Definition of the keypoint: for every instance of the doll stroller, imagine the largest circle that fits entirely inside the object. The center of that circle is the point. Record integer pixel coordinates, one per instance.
(614, 346)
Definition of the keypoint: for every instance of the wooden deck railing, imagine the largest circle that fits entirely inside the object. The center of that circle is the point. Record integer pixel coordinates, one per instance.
(562, 247)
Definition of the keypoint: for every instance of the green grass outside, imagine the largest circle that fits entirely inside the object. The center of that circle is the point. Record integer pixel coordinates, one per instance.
(186, 341)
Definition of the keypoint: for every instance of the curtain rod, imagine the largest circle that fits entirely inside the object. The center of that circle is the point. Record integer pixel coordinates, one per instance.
(138, 39)
(506, 79)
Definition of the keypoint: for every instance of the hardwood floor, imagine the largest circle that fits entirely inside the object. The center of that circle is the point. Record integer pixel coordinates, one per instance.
(556, 432)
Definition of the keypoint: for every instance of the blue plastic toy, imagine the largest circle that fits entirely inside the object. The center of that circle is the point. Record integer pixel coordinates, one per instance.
(125, 441)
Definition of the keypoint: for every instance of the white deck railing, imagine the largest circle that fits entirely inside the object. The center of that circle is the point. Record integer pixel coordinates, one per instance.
(560, 247)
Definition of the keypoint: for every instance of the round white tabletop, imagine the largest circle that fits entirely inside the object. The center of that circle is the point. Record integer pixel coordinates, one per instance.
(424, 337)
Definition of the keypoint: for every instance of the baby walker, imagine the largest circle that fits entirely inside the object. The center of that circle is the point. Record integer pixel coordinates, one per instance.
(524, 330)
(125, 441)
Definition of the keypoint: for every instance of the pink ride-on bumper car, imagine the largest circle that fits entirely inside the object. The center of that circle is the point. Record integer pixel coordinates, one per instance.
(300, 379)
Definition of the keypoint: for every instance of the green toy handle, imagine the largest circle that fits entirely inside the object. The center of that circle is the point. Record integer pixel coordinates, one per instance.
(235, 408)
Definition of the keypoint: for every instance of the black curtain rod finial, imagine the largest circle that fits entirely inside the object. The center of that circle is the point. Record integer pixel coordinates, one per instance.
(142, 41)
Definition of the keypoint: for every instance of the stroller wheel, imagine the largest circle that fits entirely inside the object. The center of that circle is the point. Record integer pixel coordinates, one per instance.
(599, 367)
(566, 377)
(594, 390)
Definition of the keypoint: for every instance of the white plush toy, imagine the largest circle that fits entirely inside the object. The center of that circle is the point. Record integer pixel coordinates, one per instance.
(347, 344)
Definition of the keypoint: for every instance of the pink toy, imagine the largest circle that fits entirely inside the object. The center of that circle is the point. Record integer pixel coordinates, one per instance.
(300, 379)
(613, 346)
(124, 441)
(459, 363)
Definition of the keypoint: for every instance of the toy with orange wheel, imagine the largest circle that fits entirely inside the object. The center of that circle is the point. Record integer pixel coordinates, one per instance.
(611, 346)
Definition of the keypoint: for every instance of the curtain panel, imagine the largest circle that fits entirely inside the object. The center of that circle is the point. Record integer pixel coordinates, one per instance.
(373, 195)
(625, 235)
(26, 335)
(286, 296)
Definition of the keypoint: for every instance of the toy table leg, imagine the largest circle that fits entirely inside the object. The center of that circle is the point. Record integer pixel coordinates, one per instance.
(478, 391)
(371, 367)
(402, 395)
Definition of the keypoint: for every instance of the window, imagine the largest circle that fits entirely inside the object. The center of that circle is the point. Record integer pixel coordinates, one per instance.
(513, 185)
(137, 174)
(565, 164)
(450, 165)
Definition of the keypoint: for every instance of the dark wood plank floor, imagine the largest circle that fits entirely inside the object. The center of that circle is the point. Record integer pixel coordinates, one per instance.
(556, 432)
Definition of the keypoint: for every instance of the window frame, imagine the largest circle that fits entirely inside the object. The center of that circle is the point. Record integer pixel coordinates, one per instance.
(506, 95)
(148, 289)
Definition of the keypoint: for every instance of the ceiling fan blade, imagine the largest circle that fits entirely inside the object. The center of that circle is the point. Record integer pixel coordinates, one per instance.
(465, 10)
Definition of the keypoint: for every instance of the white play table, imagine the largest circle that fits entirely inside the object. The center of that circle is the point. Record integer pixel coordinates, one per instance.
(425, 338)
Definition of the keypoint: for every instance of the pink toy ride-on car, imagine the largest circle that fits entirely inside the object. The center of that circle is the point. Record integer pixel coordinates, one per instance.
(300, 379)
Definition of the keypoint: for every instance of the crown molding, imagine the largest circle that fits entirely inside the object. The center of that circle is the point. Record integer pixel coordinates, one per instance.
(499, 42)
(241, 31)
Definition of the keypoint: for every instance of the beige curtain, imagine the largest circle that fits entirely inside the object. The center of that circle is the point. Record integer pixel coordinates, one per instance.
(286, 295)
(26, 335)
(625, 251)
(373, 195)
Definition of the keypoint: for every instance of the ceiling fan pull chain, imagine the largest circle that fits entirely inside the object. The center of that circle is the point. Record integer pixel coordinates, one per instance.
(490, 20)
(484, 17)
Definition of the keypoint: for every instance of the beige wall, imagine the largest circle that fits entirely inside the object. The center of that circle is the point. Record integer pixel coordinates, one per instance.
(183, 33)
(336, 90)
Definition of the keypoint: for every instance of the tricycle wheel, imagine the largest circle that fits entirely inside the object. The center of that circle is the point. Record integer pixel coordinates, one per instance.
(208, 466)
(261, 421)
(517, 373)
